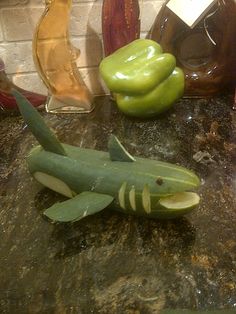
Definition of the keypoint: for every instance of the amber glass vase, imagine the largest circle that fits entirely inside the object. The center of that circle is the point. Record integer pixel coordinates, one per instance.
(55, 59)
(206, 53)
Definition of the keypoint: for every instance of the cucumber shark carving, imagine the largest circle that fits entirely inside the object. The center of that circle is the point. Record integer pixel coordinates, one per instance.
(94, 180)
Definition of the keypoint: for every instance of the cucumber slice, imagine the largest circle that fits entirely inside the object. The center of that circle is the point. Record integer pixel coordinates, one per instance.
(180, 201)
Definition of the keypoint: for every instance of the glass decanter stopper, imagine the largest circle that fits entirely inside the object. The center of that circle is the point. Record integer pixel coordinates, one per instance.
(55, 60)
(206, 52)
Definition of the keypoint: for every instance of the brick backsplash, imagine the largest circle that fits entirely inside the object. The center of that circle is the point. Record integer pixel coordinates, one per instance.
(18, 19)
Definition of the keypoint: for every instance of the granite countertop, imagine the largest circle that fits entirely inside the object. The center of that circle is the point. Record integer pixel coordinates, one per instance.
(110, 262)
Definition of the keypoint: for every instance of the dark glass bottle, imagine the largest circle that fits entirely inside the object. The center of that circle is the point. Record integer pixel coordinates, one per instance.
(207, 52)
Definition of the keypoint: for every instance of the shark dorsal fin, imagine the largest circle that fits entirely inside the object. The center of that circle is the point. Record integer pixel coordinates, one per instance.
(117, 151)
(46, 138)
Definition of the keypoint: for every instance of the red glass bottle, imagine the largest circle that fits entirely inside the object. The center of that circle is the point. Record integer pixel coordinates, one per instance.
(120, 23)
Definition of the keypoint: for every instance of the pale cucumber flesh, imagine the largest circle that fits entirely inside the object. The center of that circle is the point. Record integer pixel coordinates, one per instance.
(182, 200)
(53, 183)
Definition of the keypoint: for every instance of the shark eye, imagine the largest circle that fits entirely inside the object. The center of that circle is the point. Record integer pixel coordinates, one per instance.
(159, 181)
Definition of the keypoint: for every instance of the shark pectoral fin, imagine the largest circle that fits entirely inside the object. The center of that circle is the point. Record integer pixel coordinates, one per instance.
(117, 151)
(82, 205)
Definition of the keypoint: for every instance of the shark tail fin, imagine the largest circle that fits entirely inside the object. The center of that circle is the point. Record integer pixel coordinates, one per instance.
(37, 126)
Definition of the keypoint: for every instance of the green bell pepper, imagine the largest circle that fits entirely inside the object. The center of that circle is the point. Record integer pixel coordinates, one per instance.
(157, 100)
(137, 67)
(143, 79)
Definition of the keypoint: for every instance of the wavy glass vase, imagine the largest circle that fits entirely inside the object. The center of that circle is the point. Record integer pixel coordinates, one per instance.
(55, 60)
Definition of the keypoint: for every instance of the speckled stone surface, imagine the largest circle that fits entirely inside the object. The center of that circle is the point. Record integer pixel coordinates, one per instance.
(113, 263)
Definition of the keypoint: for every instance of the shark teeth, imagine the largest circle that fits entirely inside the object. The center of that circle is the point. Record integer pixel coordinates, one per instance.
(132, 199)
(146, 199)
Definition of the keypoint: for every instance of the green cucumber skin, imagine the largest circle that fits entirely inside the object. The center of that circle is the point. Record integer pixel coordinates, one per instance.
(37, 125)
(91, 170)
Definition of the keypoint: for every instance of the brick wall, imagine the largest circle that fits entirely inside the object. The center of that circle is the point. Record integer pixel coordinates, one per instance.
(17, 22)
